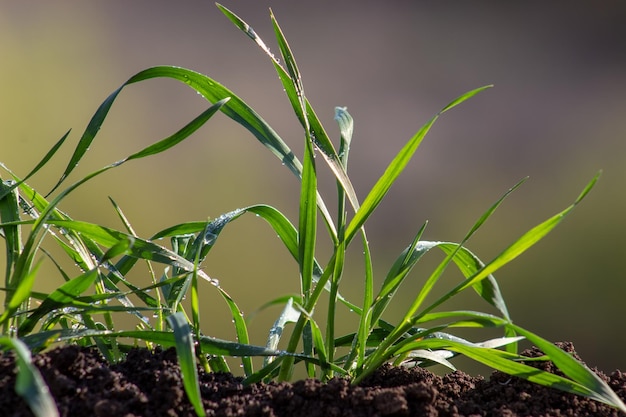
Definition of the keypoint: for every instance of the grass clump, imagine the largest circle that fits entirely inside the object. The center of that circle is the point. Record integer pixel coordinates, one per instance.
(85, 308)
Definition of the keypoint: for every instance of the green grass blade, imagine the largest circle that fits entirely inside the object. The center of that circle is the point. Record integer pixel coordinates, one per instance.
(9, 218)
(187, 360)
(181, 135)
(122, 246)
(463, 98)
(20, 294)
(88, 136)
(346, 128)
(29, 384)
(241, 329)
(307, 225)
(397, 274)
(597, 388)
(41, 164)
(359, 343)
(180, 229)
(235, 108)
(396, 167)
(49, 210)
(311, 123)
(526, 241)
(292, 67)
(289, 314)
(469, 264)
(141, 248)
(59, 298)
(518, 247)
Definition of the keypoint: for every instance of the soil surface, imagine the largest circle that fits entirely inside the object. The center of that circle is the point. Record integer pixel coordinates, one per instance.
(149, 384)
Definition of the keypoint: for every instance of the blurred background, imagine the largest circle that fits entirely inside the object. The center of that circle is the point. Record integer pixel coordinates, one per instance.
(557, 114)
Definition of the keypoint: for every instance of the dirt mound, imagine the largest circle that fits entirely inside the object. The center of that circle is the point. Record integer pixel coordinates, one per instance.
(149, 384)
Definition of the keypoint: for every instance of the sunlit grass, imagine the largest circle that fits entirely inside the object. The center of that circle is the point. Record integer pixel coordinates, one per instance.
(168, 312)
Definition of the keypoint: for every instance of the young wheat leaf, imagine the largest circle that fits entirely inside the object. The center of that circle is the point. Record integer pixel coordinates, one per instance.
(180, 229)
(29, 383)
(241, 329)
(289, 314)
(396, 167)
(88, 136)
(235, 108)
(398, 272)
(19, 294)
(527, 240)
(49, 210)
(346, 128)
(59, 298)
(307, 225)
(596, 387)
(10, 230)
(141, 248)
(292, 67)
(182, 134)
(187, 360)
(123, 246)
(469, 264)
(463, 98)
(293, 90)
(40, 165)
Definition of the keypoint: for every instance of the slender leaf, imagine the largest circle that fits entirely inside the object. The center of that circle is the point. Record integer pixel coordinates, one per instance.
(187, 360)
(29, 384)
(395, 168)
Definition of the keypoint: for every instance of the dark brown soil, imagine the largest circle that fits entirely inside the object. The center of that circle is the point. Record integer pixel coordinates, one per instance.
(149, 384)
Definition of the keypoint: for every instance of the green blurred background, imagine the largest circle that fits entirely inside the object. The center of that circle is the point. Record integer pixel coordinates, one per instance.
(557, 114)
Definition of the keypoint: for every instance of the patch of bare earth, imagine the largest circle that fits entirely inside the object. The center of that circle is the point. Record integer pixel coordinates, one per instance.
(149, 384)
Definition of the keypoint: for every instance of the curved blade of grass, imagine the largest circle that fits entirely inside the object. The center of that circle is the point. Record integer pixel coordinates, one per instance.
(527, 240)
(346, 128)
(396, 167)
(9, 219)
(182, 134)
(49, 211)
(398, 272)
(508, 363)
(123, 246)
(307, 224)
(59, 298)
(284, 229)
(142, 293)
(180, 229)
(465, 260)
(577, 371)
(17, 296)
(40, 165)
(208, 345)
(587, 383)
(241, 329)
(29, 384)
(141, 248)
(187, 360)
(469, 264)
(289, 314)
(293, 88)
(278, 301)
(522, 244)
